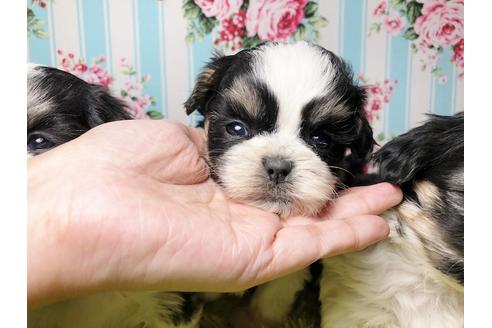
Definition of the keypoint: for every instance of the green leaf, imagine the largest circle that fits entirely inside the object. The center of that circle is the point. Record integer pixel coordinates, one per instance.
(318, 22)
(249, 42)
(310, 9)
(380, 137)
(30, 14)
(414, 10)
(397, 4)
(410, 34)
(155, 115)
(300, 33)
(124, 93)
(315, 36)
(41, 34)
(190, 38)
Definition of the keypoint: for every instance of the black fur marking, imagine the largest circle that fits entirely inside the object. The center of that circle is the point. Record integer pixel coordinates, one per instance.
(188, 308)
(348, 129)
(433, 152)
(74, 106)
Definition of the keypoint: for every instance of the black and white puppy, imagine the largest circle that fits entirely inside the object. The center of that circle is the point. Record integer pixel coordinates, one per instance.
(284, 123)
(415, 278)
(286, 127)
(61, 107)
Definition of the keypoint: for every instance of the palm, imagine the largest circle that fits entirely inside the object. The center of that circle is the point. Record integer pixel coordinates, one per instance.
(148, 216)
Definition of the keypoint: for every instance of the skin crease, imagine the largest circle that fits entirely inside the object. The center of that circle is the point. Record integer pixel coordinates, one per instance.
(129, 205)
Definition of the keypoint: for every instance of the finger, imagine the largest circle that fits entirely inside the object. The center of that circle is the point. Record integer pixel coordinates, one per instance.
(197, 136)
(298, 246)
(179, 157)
(373, 199)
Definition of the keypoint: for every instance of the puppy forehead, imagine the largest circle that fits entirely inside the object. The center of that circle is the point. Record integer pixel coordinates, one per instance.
(295, 73)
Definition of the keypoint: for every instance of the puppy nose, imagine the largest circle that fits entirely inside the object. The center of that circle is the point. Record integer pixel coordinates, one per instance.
(277, 169)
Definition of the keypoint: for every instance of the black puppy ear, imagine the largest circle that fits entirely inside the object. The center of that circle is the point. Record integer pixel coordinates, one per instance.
(206, 84)
(433, 144)
(364, 143)
(104, 107)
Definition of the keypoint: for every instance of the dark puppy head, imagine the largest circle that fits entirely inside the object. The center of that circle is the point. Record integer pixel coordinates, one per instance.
(428, 163)
(60, 107)
(282, 122)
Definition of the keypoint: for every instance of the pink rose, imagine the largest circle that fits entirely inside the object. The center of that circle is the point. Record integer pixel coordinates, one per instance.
(380, 9)
(393, 24)
(275, 19)
(441, 22)
(459, 54)
(219, 8)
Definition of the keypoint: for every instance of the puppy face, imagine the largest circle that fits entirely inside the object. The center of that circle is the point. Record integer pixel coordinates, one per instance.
(281, 119)
(61, 107)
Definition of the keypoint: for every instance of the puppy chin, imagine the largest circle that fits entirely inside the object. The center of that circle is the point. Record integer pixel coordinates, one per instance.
(305, 191)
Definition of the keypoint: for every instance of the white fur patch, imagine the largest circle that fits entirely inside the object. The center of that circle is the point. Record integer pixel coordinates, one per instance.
(296, 73)
(37, 102)
(273, 301)
(390, 284)
(117, 309)
(243, 176)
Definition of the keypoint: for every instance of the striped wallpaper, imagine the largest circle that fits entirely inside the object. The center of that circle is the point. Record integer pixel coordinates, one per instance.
(150, 34)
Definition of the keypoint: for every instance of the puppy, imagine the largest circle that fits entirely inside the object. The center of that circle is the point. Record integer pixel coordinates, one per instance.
(61, 107)
(286, 128)
(415, 278)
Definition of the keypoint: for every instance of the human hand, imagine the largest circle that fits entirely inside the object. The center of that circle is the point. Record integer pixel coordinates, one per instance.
(129, 205)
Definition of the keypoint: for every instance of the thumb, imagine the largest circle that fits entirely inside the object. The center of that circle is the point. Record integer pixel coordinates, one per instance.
(297, 246)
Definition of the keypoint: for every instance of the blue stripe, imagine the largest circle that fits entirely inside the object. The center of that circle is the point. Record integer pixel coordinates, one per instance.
(202, 51)
(398, 70)
(352, 46)
(95, 37)
(148, 18)
(443, 93)
(80, 13)
(39, 49)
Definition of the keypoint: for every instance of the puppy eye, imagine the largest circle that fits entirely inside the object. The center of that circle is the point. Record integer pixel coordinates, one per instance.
(37, 142)
(237, 129)
(320, 139)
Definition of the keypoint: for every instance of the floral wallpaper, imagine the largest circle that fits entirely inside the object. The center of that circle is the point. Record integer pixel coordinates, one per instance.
(410, 53)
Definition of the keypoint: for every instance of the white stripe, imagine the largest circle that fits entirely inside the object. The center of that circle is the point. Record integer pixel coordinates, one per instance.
(341, 29)
(177, 65)
(107, 37)
(136, 24)
(387, 73)
(81, 30)
(408, 109)
(160, 9)
(454, 77)
(122, 38)
(421, 93)
(375, 60)
(459, 102)
(66, 26)
(433, 94)
(329, 36)
(363, 36)
(52, 39)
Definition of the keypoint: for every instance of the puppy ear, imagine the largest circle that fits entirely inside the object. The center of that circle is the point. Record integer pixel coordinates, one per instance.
(364, 143)
(103, 107)
(435, 144)
(206, 84)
